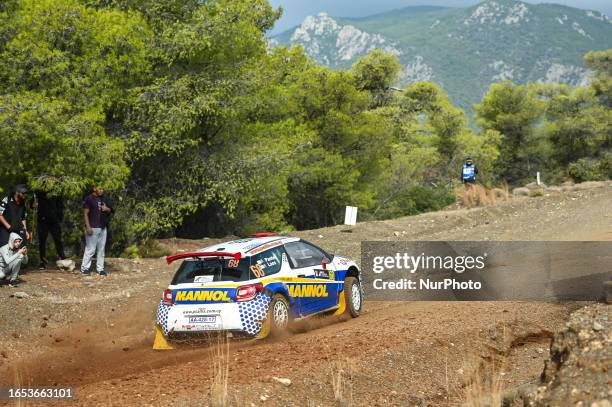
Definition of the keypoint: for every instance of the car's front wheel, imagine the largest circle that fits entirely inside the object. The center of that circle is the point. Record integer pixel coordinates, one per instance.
(353, 296)
(279, 314)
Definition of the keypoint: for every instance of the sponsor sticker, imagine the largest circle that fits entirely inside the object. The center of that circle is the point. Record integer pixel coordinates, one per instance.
(342, 261)
(266, 246)
(270, 261)
(201, 311)
(307, 290)
(202, 295)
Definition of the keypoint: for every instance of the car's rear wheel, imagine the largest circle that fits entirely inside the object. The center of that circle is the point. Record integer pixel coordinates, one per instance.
(353, 296)
(279, 314)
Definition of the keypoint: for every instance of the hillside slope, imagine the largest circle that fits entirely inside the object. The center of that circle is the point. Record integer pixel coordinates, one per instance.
(464, 49)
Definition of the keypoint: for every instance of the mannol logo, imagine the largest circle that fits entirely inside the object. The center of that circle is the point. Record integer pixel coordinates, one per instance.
(202, 295)
(307, 290)
(404, 261)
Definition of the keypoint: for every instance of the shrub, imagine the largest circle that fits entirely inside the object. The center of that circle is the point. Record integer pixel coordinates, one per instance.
(131, 252)
(149, 249)
(427, 199)
(152, 249)
(411, 201)
(536, 192)
(605, 166)
(589, 169)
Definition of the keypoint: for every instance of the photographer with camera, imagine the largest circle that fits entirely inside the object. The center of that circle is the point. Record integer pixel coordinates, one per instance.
(12, 256)
(13, 215)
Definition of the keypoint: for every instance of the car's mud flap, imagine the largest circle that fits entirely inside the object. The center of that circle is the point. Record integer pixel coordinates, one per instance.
(341, 304)
(161, 343)
(264, 331)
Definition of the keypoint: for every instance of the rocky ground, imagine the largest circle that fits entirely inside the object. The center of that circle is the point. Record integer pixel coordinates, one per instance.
(95, 333)
(578, 371)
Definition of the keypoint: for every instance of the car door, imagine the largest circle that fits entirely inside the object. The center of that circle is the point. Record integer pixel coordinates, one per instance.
(314, 286)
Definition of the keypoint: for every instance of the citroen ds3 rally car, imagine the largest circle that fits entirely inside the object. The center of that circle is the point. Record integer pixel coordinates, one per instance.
(254, 286)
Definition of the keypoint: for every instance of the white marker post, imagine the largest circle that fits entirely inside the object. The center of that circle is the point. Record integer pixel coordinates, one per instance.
(538, 177)
(350, 216)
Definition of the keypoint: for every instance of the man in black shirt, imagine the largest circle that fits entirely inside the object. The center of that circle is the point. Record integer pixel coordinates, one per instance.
(49, 218)
(13, 217)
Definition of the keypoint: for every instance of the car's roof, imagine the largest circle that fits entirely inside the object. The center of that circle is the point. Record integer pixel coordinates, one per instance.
(248, 245)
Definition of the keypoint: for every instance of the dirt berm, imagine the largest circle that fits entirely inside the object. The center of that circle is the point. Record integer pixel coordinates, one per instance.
(579, 370)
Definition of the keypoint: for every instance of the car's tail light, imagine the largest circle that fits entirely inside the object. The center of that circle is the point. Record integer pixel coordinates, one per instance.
(168, 297)
(248, 292)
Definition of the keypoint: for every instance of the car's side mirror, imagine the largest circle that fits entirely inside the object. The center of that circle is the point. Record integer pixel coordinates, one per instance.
(325, 262)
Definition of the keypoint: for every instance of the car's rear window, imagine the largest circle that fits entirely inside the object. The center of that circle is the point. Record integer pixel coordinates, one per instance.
(208, 270)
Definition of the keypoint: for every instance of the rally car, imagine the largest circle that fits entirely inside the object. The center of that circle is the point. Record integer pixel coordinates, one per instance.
(253, 287)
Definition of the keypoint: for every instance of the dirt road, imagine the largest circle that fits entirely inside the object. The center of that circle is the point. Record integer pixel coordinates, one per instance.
(95, 334)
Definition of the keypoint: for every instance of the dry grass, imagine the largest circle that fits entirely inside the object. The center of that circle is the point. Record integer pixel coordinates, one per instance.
(472, 195)
(485, 388)
(342, 373)
(484, 385)
(220, 365)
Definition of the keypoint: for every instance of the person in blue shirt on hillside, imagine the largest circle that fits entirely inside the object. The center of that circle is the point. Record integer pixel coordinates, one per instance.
(468, 172)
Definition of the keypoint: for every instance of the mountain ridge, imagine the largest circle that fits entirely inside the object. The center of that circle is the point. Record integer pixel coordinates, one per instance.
(464, 50)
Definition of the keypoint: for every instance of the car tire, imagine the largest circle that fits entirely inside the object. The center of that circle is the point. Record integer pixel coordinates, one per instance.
(279, 314)
(353, 296)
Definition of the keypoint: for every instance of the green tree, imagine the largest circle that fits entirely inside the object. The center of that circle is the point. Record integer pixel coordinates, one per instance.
(444, 125)
(430, 140)
(55, 148)
(601, 63)
(348, 152)
(578, 126)
(375, 73)
(184, 120)
(513, 111)
(62, 66)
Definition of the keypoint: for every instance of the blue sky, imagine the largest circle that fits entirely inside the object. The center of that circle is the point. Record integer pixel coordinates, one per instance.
(296, 10)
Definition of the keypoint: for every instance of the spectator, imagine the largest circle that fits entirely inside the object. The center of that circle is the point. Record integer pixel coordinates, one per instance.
(96, 215)
(13, 216)
(12, 257)
(468, 172)
(49, 218)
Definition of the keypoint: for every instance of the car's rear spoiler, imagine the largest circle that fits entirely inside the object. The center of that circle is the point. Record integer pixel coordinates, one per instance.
(174, 257)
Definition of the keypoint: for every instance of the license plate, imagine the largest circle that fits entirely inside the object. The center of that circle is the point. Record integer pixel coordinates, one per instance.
(210, 319)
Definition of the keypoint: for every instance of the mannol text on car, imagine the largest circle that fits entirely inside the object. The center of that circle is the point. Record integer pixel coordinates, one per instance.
(253, 287)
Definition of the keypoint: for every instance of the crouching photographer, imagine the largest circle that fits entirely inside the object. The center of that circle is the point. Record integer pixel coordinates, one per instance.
(12, 256)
